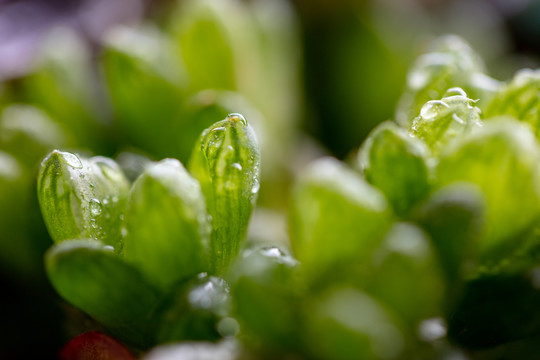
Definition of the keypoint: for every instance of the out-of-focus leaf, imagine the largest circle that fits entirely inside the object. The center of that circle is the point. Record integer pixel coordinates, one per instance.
(202, 31)
(62, 85)
(519, 98)
(266, 299)
(145, 82)
(405, 275)
(442, 121)
(336, 217)
(192, 311)
(502, 160)
(225, 160)
(28, 132)
(345, 323)
(91, 277)
(17, 252)
(82, 198)
(166, 223)
(449, 62)
(395, 163)
(454, 218)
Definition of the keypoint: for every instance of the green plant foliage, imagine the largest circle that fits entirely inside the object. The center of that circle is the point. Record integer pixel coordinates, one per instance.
(502, 161)
(82, 198)
(397, 164)
(226, 162)
(90, 276)
(167, 228)
(336, 216)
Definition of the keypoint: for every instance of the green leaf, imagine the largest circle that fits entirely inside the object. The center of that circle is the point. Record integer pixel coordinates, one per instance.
(449, 62)
(266, 299)
(405, 275)
(145, 81)
(91, 277)
(192, 311)
(202, 31)
(336, 217)
(29, 133)
(396, 164)
(82, 198)
(345, 323)
(201, 111)
(62, 85)
(167, 226)
(453, 216)
(502, 160)
(519, 98)
(442, 121)
(225, 160)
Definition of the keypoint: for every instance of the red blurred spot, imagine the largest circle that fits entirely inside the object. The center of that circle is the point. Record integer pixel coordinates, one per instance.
(94, 345)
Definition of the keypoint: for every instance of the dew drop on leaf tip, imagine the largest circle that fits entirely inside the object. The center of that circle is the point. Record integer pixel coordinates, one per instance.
(70, 159)
(236, 117)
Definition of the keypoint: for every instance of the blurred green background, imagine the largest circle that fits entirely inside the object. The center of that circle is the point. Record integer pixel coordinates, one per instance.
(137, 80)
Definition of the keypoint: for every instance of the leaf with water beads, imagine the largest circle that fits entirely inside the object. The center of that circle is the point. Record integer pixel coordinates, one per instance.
(442, 121)
(449, 62)
(82, 198)
(396, 163)
(225, 160)
(167, 227)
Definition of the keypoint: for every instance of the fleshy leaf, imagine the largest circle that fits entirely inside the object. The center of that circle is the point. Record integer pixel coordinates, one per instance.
(449, 62)
(405, 275)
(91, 277)
(225, 160)
(202, 31)
(166, 224)
(346, 323)
(502, 160)
(336, 217)
(145, 82)
(454, 218)
(266, 298)
(192, 311)
(519, 99)
(395, 163)
(442, 121)
(82, 198)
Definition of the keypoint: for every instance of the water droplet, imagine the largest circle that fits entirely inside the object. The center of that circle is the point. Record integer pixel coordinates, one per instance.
(256, 187)
(432, 109)
(108, 248)
(432, 329)
(218, 129)
(95, 207)
(235, 117)
(71, 160)
(457, 119)
(123, 231)
(455, 91)
(272, 252)
(237, 166)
